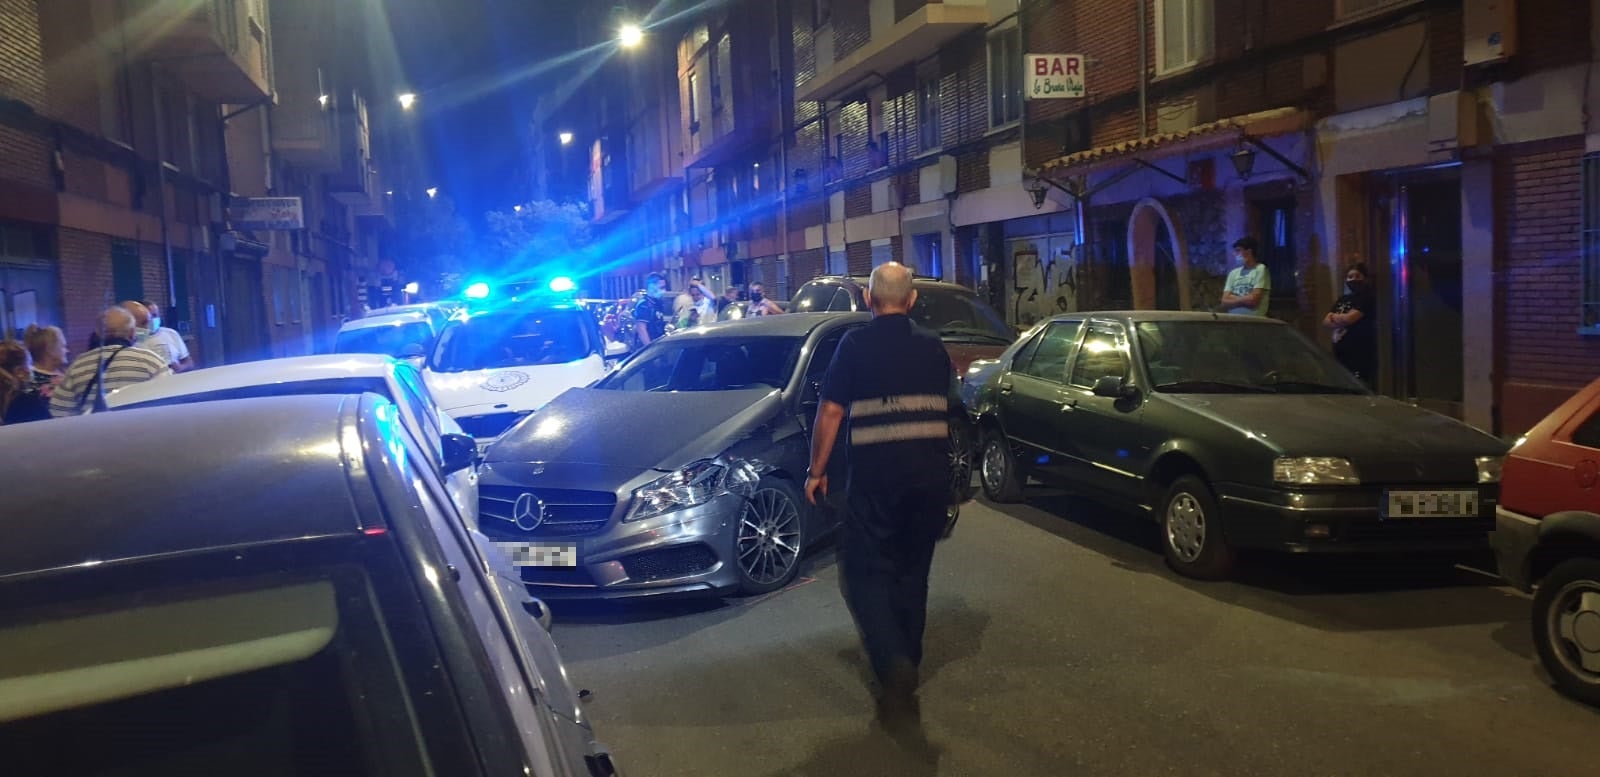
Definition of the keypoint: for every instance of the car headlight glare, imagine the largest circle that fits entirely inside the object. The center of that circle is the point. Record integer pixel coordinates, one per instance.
(693, 485)
(1489, 468)
(1314, 471)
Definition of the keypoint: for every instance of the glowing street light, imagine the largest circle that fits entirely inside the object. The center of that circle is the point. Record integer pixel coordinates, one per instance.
(565, 138)
(516, 208)
(433, 191)
(407, 99)
(630, 35)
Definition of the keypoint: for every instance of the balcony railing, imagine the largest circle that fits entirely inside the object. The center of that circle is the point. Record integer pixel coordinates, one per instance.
(903, 31)
(218, 47)
(352, 184)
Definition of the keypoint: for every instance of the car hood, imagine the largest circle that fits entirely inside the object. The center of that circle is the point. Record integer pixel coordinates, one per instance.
(511, 389)
(1341, 424)
(636, 429)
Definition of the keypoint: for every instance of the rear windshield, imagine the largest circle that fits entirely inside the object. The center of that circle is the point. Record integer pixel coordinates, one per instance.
(516, 339)
(399, 340)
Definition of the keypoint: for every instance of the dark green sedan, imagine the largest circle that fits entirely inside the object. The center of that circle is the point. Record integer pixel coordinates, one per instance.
(1233, 432)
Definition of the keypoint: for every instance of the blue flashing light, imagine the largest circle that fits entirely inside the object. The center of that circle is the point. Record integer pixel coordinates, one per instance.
(479, 290)
(562, 284)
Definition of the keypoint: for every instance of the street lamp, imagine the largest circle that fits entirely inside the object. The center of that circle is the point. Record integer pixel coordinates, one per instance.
(1038, 191)
(516, 208)
(565, 138)
(630, 35)
(407, 99)
(433, 191)
(1244, 161)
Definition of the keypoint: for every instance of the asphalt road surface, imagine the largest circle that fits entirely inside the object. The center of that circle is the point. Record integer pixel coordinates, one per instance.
(1059, 644)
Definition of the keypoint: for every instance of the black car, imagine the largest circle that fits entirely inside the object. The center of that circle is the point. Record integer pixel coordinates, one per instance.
(1233, 432)
(679, 473)
(286, 589)
(970, 329)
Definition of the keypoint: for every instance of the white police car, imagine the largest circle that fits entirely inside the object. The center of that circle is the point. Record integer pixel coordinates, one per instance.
(494, 365)
(401, 333)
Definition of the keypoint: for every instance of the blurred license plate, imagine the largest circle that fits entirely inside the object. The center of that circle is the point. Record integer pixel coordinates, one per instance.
(540, 554)
(1432, 504)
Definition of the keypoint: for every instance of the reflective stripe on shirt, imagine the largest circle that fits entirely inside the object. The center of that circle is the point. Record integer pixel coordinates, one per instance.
(911, 430)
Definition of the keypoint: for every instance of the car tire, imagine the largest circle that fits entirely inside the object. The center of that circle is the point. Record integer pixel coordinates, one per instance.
(1191, 531)
(1569, 595)
(961, 460)
(769, 537)
(1002, 477)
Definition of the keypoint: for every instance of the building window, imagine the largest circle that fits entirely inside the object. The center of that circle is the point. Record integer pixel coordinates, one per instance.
(821, 12)
(1350, 9)
(928, 113)
(1589, 266)
(694, 103)
(1005, 77)
(1183, 34)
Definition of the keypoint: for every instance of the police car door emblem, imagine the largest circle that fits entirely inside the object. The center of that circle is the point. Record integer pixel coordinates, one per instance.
(528, 512)
(505, 381)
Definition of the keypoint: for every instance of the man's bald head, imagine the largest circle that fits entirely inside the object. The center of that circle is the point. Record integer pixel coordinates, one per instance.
(117, 322)
(890, 290)
(140, 313)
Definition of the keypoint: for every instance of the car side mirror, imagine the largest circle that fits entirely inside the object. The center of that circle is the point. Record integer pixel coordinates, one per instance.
(1114, 387)
(460, 452)
(539, 610)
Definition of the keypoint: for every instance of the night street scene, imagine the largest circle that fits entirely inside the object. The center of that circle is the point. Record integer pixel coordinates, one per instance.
(800, 388)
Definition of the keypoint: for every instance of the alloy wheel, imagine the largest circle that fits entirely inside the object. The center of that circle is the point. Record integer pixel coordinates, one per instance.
(994, 465)
(1186, 526)
(769, 537)
(1574, 626)
(960, 461)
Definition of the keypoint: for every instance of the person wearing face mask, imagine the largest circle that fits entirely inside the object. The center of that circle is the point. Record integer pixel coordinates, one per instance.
(651, 311)
(1355, 336)
(759, 304)
(179, 351)
(1248, 288)
(142, 331)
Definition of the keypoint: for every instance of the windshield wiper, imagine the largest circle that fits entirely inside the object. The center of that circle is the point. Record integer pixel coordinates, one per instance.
(1210, 387)
(975, 333)
(1308, 387)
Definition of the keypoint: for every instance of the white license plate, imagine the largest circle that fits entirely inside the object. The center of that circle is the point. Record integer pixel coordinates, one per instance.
(540, 554)
(1432, 504)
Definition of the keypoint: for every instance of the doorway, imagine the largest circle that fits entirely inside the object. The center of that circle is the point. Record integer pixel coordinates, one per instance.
(1425, 291)
(245, 317)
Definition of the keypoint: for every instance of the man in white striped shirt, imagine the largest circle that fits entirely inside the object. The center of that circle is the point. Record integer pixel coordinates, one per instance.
(98, 371)
(895, 381)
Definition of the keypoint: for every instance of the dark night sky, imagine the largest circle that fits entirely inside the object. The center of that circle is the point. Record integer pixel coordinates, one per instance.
(468, 62)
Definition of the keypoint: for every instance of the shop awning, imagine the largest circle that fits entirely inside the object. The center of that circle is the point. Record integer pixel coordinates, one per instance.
(1202, 137)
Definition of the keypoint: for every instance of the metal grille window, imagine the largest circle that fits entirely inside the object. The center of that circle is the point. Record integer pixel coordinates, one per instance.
(1005, 77)
(928, 113)
(1589, 262)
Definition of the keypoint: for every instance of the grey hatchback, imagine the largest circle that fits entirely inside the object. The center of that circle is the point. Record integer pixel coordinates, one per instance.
(1233, 432)
(285, 590)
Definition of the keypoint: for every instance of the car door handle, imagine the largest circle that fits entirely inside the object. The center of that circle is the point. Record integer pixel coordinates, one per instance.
(1005, 388)
(1069, 404)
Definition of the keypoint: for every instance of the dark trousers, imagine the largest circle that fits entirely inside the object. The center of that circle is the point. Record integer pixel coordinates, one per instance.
(885, 554)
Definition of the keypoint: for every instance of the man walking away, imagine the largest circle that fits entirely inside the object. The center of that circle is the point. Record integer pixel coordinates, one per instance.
(1249, 286)
(99, 371)
(895, 381)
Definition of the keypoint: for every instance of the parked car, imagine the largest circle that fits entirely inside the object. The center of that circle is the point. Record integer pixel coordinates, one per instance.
(187, 612)
(1547, 536)
(407, 334)
(448, 448)
(494, 366)
(969, 328)
(679, 473)
(438, 313)
(1233, 432)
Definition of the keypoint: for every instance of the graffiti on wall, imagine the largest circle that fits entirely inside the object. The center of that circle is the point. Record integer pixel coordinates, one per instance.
(1044, 279)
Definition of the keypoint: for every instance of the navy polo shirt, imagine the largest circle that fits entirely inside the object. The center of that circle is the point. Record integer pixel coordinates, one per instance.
(896, 383)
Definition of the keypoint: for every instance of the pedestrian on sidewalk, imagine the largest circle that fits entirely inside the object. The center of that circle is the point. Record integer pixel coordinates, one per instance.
(894, 381)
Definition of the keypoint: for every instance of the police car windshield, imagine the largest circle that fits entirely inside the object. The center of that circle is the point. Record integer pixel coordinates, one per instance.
(514, 339)
(400, 339)
(709, 364)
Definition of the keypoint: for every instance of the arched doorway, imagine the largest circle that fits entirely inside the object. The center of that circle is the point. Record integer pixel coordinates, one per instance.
(1157, 259)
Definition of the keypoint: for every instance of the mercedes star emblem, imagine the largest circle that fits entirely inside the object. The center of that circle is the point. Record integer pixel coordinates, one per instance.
(528, 512)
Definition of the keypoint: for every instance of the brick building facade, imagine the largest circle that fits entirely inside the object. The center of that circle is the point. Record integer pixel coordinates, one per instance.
(1445, 143)
(123, 140)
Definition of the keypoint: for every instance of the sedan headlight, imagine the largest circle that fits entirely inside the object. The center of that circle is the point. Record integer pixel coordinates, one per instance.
(693, 485)
(1489, 468)
(1314, 471)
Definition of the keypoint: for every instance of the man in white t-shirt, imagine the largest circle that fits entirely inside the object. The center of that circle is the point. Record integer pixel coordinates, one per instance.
(1249, 286)
(176, 347)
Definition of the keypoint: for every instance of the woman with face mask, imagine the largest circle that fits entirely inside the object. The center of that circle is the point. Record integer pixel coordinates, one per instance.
(1355, 333)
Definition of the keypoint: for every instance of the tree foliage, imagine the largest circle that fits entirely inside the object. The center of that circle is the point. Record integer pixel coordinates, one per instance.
(536, 232)
(437, 240)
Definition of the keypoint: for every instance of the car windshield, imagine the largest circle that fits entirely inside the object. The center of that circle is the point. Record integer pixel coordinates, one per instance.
(400, 339)
(515, 339)
(709, 364)
(960, 317)
(1225, 357)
